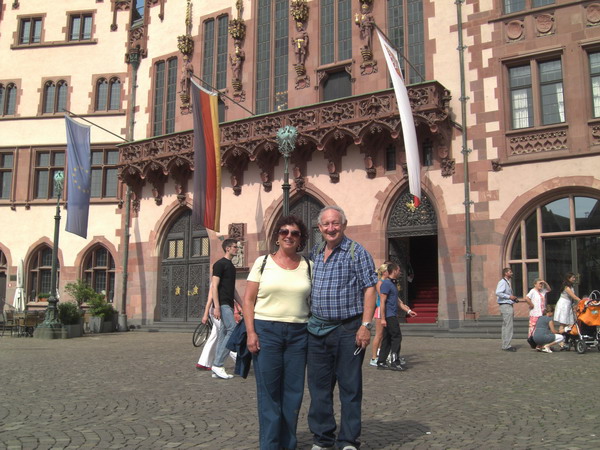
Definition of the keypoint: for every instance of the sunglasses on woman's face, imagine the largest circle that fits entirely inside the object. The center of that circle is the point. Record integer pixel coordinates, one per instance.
(285, 232)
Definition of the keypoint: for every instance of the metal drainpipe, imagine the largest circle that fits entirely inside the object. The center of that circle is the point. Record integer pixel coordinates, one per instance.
(465, 152)
(135, 64)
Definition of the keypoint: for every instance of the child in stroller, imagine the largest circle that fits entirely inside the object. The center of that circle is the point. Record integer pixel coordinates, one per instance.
(586, 331)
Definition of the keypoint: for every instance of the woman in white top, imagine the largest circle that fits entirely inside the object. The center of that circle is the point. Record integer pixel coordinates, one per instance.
(536, 299)
(276, 313)
(564, 307)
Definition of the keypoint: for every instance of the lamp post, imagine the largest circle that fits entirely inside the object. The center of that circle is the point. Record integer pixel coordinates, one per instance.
(286, 138)
(51, 328)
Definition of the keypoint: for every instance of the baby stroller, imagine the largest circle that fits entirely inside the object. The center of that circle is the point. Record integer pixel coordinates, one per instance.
(586, 331)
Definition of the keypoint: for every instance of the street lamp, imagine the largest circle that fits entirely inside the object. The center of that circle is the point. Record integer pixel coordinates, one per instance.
(286, 138)
(51, 328)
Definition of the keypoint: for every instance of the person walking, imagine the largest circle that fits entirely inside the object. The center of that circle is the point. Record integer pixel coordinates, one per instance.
(506, 300)
(342, 306)
(276, 310)
(224, 295)
(392, 336)
(382, 274)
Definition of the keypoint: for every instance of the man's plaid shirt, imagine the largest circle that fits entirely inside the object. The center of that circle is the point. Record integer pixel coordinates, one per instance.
(339, 283)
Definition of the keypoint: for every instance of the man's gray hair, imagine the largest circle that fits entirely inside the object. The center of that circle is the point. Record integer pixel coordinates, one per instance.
(334, 208)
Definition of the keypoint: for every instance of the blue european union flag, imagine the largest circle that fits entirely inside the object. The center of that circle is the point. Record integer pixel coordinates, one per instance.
(79, 177)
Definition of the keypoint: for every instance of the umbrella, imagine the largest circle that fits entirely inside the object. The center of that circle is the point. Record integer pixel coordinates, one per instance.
(19, 301)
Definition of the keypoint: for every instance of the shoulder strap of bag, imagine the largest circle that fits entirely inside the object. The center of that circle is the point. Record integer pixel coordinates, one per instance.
(262, 266)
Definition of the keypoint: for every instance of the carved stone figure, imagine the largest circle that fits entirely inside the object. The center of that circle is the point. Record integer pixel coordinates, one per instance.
(300, 43)
(237, 61)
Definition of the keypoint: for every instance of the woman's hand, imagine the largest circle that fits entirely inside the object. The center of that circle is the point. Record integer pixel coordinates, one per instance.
(253, 343)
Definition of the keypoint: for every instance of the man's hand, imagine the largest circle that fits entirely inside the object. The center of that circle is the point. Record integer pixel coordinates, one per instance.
(363, 337)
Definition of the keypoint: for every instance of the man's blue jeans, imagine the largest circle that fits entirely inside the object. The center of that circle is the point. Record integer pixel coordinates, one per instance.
(279, 368)
(227, 327)
(331, 359)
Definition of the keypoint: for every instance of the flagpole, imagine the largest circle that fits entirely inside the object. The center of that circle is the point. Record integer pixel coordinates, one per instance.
(223, 95)
(400, 53)
(94, 124)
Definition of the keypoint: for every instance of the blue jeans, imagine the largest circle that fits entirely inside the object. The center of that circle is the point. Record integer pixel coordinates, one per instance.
(227, 327)
(331, 360)
(279, 368)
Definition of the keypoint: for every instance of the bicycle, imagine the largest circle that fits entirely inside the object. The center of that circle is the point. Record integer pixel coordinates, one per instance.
(202, 332)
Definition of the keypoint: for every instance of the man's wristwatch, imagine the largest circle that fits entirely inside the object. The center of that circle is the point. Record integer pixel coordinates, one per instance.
(367, 325)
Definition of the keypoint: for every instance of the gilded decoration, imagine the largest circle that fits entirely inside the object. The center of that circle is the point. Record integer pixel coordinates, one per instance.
(319, 127)
(405, 215)
(529, 143)
(366, 24)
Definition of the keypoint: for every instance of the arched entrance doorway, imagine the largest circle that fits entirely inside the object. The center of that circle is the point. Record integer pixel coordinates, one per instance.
(412, 243)
(185, 271)
(307, 208)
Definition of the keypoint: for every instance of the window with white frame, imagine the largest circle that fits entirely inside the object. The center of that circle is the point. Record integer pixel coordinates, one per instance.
(536, 79)
(594, 62)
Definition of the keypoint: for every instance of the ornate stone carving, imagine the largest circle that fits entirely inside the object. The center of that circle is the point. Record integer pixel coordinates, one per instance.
(237, 231)
(118, 5)
(237, 30)
(406, 215)
(547, 141)
(592, 14)
(496, 166)
(185, 44)
(448, 166)
(514, 30)
(544, 24)
(366, 23)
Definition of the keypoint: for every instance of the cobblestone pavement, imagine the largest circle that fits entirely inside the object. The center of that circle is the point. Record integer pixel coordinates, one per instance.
(141, 390)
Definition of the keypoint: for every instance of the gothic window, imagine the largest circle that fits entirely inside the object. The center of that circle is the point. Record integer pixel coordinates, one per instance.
(165, 99)
(8, 99)
(55, 97)
(594, 62)
(108, 94)
(336, 31)
(511, 6)
(6, 174)
(30, 30)
(99, 271)
(40, 270)
(80, 27)
(214, 61)
(406, 31)
(272, 55)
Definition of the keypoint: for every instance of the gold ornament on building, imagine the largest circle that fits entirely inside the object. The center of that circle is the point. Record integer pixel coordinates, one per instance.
(185, 44)
(299, 10)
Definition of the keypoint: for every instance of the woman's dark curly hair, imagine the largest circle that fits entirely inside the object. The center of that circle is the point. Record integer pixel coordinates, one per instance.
(292, 220)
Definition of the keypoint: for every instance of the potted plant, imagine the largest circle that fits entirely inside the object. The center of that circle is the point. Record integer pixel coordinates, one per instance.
(102, 314)
(43, 297)
(70, 316)
(80, 291)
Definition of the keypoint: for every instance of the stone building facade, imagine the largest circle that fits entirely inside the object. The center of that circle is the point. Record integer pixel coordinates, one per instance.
(505, 97)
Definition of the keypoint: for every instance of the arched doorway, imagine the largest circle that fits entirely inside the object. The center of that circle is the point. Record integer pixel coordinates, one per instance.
(185, 271)
(412, 243)
(307, 208)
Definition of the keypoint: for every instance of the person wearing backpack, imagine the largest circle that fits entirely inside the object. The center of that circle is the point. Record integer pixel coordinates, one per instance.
(276, 311)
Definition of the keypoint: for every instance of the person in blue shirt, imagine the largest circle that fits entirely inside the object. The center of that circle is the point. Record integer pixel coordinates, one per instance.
(389, 304)
(342, 306)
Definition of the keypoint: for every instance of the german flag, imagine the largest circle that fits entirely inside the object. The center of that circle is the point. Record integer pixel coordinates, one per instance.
(206, 207)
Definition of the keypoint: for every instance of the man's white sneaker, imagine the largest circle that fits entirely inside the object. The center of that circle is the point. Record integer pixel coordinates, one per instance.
(220, 372)
(316, 447)
(373, 362)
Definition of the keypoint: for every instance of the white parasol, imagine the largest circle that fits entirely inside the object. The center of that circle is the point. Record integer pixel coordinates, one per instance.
(19, 301)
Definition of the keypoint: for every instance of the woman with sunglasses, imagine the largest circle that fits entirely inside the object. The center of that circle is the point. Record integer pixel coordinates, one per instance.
(276, 311)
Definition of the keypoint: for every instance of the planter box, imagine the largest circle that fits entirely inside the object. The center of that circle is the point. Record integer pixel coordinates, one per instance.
(108, 326)
(95, 324)
(74, 331)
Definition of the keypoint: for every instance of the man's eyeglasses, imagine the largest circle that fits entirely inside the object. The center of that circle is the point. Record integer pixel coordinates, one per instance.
(285, 232)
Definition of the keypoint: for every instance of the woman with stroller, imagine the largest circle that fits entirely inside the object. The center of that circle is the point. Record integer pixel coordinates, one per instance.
(564, 307)
(545, 334)
(536, 299)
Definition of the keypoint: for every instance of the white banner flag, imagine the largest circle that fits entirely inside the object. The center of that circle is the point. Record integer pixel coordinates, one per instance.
(406, 118)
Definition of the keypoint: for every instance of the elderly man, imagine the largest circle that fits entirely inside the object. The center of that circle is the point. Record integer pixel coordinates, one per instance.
(343, 302)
